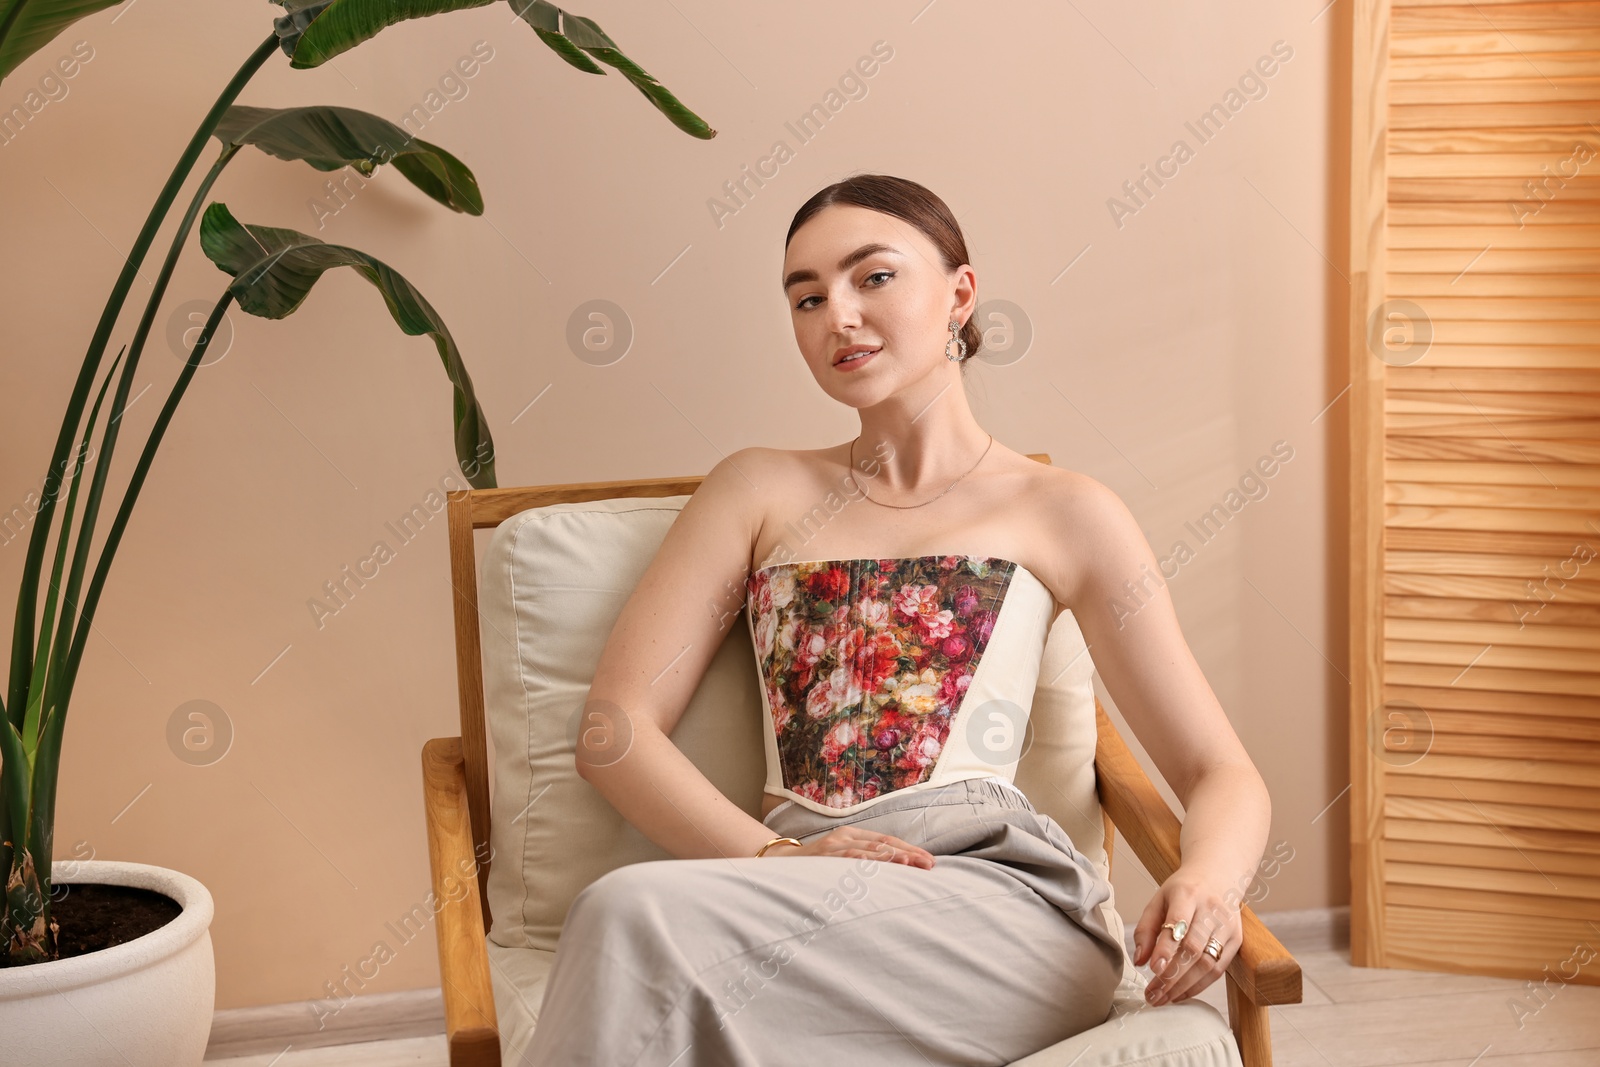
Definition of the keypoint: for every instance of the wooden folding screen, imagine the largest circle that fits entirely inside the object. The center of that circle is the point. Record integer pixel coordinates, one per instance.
(1475, 488)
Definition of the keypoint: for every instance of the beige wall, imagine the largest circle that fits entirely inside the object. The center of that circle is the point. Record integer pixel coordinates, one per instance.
(1169, 357)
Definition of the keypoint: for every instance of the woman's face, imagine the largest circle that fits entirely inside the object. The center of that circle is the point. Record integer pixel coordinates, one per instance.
(854, 276)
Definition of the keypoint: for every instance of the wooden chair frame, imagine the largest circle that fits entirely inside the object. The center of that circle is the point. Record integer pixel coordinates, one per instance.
(455, 787)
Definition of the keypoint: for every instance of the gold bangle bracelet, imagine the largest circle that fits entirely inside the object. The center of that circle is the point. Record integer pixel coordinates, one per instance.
(777, 841)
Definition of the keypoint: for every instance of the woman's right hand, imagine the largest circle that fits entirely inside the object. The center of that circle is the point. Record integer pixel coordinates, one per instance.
(855, 843)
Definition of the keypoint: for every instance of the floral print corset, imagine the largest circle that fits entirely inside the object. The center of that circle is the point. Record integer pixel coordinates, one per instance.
(882, 675)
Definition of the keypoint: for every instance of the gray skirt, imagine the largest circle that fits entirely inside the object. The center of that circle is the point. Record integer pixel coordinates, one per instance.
(996, 952)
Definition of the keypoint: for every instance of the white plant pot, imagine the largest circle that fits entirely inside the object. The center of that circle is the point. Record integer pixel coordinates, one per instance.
(144, 1003)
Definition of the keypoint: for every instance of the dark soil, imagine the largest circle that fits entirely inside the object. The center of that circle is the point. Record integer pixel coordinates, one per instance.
(90, 916)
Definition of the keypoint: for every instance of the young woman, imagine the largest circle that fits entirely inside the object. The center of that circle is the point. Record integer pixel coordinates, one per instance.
(901, 901)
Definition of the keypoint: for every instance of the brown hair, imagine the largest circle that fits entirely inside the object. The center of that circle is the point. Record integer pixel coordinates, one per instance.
(904, 199)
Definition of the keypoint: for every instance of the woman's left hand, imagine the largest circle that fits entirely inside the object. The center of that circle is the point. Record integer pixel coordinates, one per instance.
(1210, 905)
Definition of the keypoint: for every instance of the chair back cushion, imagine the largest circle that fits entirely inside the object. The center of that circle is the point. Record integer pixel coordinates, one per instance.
(554, 579)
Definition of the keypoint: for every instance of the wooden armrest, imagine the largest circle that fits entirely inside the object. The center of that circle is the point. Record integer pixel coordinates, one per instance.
(1263, 969)
(469, 1015)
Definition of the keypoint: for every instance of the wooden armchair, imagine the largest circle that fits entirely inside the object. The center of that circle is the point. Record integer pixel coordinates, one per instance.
(486, 977)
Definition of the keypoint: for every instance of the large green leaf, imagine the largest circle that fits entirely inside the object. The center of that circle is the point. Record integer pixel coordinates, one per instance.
(314, 31)
(273, 271)
(329, 138)
(571, 36)
(28, 25)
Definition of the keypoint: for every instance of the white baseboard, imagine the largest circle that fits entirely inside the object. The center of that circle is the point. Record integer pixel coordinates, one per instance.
(1310, 929)
(271, 1028)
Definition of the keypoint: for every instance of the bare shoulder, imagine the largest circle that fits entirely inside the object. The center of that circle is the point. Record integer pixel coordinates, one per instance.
(776, 464)
(1073, 494)
(1089, 527)
(776, 458)
(769, 481)
(749, 479)
(752, 475)
(789, 461)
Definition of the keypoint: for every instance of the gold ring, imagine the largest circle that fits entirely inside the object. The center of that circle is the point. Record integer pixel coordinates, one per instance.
(1214, 949)
(1178, 928)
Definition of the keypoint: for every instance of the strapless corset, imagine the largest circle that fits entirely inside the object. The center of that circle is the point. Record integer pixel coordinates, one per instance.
(885, 675)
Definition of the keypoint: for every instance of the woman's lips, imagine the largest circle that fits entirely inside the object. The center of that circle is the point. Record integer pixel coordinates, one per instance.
(859, 361)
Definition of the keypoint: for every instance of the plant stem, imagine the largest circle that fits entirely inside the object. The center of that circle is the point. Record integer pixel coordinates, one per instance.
(38, 691)
(135, 483)
(47, 759)
(16, 771)
(27, 828)
(15, 828)
(54, 694)
(22, 646)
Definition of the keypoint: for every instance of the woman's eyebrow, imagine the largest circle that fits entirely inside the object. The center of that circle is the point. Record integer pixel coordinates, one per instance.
(804, 275)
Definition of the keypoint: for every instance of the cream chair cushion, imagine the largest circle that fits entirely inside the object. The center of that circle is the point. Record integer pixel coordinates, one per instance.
(554, 579)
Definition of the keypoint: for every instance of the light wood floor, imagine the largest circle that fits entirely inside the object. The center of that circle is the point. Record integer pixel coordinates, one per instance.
(1350, 1017)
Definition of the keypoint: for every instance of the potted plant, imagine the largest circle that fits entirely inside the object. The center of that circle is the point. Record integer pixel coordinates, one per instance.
(111, 962)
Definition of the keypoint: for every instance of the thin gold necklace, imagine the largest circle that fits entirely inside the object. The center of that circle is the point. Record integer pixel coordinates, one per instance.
(925, 503)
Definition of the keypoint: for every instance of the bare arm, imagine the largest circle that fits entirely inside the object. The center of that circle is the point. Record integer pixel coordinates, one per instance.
(660, 791)
(657, 654)
(1121, 603)
(1140, 652)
